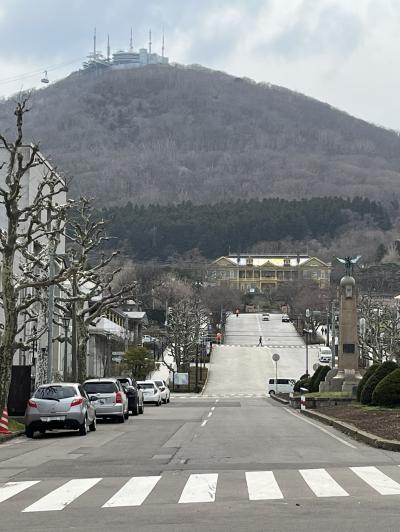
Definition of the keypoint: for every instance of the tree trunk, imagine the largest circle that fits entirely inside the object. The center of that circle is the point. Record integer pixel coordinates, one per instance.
(7, 347)
(83, 336)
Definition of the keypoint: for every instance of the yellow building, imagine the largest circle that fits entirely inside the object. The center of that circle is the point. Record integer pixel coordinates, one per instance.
(256, 273)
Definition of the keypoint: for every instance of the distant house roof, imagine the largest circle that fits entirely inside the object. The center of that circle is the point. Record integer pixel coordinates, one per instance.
(136, 315)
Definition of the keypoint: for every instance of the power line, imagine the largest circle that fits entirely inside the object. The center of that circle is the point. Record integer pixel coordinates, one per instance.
(33, 73)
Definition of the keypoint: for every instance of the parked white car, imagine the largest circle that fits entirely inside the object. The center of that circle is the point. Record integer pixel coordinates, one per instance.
(325, 355)
(282, 386)
(151, 392)
(165, 392)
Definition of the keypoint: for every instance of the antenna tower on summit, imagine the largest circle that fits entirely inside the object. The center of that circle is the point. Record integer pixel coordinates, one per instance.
(131, 41)
(150, 42)
(163, 44)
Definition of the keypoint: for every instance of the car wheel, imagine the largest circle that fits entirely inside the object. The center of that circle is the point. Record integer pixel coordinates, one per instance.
(29, 432)
(159, 403)
(169, 399)
(93, 425)
(126, 415)
(83, 429)
(42, 431)
(141, 408)
(135, 409)
(164, 401)
(271, 392)
(121, 419)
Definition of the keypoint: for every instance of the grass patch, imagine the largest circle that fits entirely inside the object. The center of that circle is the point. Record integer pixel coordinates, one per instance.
(329, 395)
(15, 425)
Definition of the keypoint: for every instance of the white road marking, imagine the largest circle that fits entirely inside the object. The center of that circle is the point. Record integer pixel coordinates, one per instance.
(262, 485)
(62, 496)
(9, 489)
(210, 414)
(322, 429)
(199, 488)
(133, 493)
(204, 423)
(212, 409)
(322, 484)
(377, 480)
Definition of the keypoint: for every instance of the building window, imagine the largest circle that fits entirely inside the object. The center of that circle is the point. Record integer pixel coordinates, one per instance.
(286, 262)
(249, 274)
(232, 274)
(315, 274)
(287, 275)
(242, 274)
(268, 274)
(256, 274)
(306, 274)
(279, 276)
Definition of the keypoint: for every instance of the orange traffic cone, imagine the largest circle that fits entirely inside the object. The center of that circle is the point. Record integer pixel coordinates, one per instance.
(4, 422)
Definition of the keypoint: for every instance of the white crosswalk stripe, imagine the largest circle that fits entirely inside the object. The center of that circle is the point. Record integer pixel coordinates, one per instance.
(322, 484)
(262, 485)
(133, 493)
(10, 489)
(377, 480)
(200, 488)
(62, 496)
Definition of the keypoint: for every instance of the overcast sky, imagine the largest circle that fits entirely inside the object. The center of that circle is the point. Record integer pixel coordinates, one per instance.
(344, 52)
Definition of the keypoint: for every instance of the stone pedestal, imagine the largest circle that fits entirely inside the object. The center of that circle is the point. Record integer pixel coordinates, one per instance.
(347, 374)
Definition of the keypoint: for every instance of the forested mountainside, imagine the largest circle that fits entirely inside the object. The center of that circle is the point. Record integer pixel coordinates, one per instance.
(162, 232)
(167, 134)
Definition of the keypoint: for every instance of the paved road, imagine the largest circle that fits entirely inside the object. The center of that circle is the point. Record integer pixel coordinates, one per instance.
(251, 366)
(202, 464)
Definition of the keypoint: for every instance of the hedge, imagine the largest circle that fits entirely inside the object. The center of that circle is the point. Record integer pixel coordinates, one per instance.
(383, 370)
(314, 381)
(387, 392)
(370, 371)
(302, 383)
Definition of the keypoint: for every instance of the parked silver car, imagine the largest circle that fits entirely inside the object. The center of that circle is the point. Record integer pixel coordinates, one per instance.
(108, 397)
(59, 405)
(165, 393)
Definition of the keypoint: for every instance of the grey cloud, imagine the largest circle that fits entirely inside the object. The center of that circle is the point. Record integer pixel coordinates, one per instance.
(337, 32)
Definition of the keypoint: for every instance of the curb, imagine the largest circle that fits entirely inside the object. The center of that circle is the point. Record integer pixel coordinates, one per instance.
(6, 437)
(279, 399)
(354, 432)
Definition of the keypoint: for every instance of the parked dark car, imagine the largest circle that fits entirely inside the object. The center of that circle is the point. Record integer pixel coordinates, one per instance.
(134, 394)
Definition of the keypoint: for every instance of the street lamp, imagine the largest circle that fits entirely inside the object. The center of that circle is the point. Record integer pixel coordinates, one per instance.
(108, 359)
(66, 320)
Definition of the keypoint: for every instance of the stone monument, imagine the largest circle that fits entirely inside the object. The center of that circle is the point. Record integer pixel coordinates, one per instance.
(347, 374)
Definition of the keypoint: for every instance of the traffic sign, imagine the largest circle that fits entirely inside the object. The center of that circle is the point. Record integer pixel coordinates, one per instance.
(275, 357)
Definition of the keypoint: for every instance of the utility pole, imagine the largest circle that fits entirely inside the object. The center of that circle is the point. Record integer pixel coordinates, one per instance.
(50, 313)
(333, 340)
(327, 326)
(197, 368)
(74, 331)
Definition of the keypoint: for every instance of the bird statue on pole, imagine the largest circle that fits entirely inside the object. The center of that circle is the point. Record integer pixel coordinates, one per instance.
(349, 264)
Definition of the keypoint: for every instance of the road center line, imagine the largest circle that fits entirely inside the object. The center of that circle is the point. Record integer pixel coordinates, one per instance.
(322, 429)
(212, 409)
(204, 423)
(210, 414)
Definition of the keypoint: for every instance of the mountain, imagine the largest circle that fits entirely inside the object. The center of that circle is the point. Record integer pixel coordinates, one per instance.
(167, 134)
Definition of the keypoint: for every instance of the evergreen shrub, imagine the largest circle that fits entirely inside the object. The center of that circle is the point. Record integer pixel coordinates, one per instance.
(383, 370)
(387, 392)
(370, 371)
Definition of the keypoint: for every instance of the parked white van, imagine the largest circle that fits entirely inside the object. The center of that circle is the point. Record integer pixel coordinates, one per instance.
(283, 386)
(325, 355)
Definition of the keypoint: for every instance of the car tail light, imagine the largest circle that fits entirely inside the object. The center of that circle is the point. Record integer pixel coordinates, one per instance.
(77, 402)
(32, 404)
(118, 397)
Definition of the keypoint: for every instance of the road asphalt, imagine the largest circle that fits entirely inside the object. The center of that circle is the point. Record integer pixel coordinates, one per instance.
(229, 460)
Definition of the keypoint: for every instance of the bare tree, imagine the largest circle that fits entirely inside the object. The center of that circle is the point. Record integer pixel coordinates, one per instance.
(32, 228)
(381, 338)
(186, 319)
(90, 293)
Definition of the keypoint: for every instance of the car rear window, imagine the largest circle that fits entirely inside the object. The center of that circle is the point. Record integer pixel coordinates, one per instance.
(100, 387)
(146, 385)
(55, 392)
